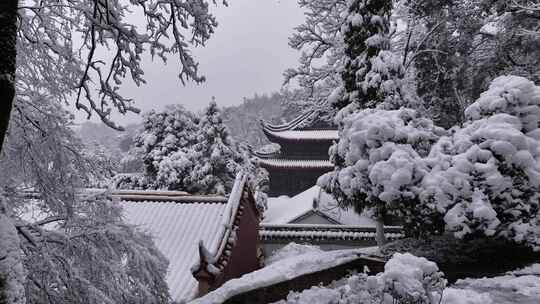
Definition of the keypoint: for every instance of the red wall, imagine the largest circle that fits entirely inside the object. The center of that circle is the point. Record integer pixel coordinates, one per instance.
(244, 253)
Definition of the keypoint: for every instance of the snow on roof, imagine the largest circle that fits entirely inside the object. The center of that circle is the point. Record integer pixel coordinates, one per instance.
(146, 192)
(303, 135)
(319, 232)
(291, 125)
(284, 209)
(280, 271)
(295, 163)
(177, 228)
(178, 224)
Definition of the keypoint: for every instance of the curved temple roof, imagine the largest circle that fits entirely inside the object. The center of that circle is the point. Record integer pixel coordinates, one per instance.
(300, 129)
(302, 135)
(295, 163)
(179, 223)
(291, 125)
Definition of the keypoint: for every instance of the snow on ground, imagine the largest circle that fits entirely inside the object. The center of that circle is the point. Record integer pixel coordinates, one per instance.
(518, 286)
(285, 269)
(465, 296)
(533, 269)
(510, 288)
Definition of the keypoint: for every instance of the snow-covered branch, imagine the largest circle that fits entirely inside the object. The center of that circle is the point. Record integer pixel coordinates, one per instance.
(72, 40)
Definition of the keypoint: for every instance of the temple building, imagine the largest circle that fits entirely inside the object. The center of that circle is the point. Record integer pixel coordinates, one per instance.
(302, 155)
(298, 210)
(208, 240)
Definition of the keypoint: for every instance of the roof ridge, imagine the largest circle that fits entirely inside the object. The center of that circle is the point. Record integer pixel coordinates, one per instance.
(288, 125)
(189, 199)
(318, 135)
(296, 163)
(153, 192)
(215, 260)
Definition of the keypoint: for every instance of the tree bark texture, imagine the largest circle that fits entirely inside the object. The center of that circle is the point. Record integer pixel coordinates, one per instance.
(11, 267)
(8, 35)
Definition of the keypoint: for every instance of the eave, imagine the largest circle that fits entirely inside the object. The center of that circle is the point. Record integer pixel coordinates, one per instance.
(295, 164)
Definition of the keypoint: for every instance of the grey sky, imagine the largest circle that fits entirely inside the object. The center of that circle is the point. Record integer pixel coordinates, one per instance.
(247, 54)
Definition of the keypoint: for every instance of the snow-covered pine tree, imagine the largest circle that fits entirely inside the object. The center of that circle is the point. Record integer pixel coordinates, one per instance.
(217, 157)
(372, 73)
(380, 155)
(182, 151)
(164, 143)
(378, 158)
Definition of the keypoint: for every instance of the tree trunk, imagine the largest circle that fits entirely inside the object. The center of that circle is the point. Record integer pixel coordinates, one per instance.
(11, 268)
(8, 35)
(379, 231)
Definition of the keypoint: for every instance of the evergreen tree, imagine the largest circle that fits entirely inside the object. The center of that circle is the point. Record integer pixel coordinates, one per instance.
(372, 73)
(219, 156)
(166, 134)
(194, 154)
(372, 78)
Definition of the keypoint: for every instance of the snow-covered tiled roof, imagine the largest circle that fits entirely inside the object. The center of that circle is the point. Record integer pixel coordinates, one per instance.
(178, 224)
(307, 232)
(303, 135)
(291, 125)
(295, 163)
(177, 228)
(285, 210)
(285, 270)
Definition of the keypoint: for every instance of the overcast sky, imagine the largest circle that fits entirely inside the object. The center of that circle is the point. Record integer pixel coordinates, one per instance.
(247, 54)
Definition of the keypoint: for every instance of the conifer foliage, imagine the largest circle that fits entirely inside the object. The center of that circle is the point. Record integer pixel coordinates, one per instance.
(220, 157)
(164, 146)
(372, 78)
(372, 73)
(182, 151)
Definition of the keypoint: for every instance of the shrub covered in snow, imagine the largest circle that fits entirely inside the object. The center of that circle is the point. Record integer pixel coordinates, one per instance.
(406, 279)
(484, 179)
(379, 160)
(412, 279)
